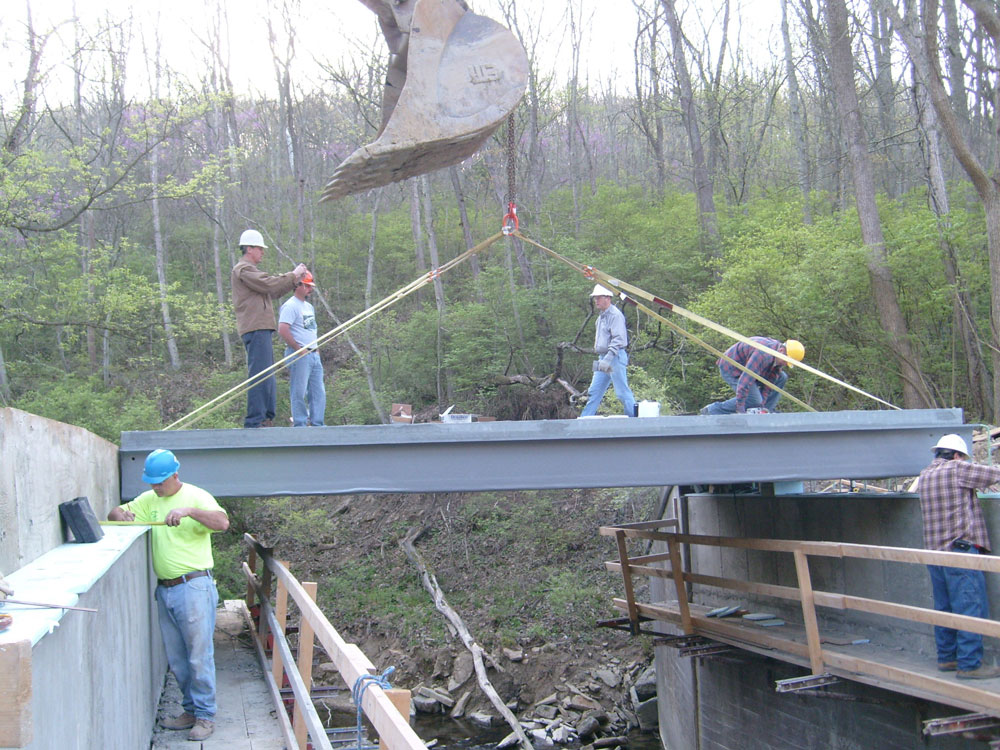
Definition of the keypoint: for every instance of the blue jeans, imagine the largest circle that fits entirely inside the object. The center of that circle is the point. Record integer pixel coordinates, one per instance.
(599, 386)
(753, 401)
(306, 383)
(187, 623)
(961, 592)
(262, 398)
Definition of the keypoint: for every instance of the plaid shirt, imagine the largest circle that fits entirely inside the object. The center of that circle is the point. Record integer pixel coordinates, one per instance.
(755, 360)
(949, 503)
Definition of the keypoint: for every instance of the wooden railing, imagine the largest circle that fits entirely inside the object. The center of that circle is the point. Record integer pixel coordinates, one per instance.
(819, 658)
(387, 710)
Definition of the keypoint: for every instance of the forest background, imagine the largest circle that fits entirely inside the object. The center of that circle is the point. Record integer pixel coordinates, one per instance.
(838, 187)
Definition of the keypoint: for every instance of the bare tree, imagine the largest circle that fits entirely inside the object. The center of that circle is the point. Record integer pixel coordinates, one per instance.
(283, 75)
(649, 99)
(463, 216)
(797, 114)
(920, 40)
(154, 178)
(219, 133)
(689, 113)
(444, 389)
(977, 377)
(916, 394)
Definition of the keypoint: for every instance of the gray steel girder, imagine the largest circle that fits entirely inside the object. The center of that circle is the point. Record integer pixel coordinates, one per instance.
(550, 454)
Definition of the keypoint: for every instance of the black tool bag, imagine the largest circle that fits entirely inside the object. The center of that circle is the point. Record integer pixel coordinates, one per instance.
(81, 520)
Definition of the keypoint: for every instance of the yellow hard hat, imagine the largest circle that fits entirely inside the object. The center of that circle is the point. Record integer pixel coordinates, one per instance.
(795, 350)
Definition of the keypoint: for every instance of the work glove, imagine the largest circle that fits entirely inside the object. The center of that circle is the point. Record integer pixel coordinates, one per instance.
(604, 365)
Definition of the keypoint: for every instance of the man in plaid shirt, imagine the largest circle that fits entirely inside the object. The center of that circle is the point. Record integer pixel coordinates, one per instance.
(953, 522)
(751, 395)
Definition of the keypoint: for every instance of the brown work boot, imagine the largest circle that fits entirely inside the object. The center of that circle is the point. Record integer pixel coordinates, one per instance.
(184, 721)
(201, 730)
(947, 666)
(979, 673)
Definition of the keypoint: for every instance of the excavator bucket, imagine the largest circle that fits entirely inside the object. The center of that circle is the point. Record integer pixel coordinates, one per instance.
(464, 74)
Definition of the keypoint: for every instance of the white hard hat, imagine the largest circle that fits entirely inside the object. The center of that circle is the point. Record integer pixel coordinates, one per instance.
(601, 291)
(952, 443)
(252, 238)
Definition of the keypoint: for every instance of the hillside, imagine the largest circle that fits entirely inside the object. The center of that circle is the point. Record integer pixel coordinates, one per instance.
(524, 570)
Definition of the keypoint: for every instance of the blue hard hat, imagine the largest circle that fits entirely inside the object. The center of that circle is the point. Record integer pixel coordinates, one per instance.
(160, 464)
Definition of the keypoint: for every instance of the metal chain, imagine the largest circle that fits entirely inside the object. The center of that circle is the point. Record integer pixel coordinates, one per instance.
(511, 159)
(509, 225)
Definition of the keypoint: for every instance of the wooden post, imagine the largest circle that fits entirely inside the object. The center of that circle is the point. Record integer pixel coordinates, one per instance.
(633, 613)
(16, 727)
(677, 570)
(400, 699)
(809, 612)
(252, 563)
(265, 588)
(305, 665)
(280, 614)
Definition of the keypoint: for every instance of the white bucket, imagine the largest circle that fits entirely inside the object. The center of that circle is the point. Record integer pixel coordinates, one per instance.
(649, 408)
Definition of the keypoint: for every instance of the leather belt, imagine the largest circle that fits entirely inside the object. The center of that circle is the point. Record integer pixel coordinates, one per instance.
(184, 578)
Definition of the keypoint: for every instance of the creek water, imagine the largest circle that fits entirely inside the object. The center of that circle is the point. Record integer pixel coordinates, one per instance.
(456, 734)
(459, 734)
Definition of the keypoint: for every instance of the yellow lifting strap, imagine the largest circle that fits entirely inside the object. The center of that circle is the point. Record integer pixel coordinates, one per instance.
(205, 409)
(635, 292)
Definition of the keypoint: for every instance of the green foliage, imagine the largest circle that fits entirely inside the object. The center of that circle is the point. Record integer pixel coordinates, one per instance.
(220, 415)
(359, 592)
(88, 404)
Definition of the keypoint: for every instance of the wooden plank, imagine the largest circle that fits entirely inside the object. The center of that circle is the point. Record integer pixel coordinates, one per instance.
(933, 687)
(399, 698)
(281, 615)
(675, 564)
(391, 728)
(921, 614)
(305, 665)
(645, 559)
(942, 689)
(252, 564)
(16, 728)
(641, 525)
(987, 563)
(273, 688)
(633, 617)
(735, 633)
(734, 584)
(809, 613)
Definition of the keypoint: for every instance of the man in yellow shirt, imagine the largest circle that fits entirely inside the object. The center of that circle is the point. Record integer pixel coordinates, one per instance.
(186, 596)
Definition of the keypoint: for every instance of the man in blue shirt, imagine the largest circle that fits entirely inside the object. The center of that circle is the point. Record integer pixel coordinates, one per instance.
(297, 326)
(610, 340)
(752, 395)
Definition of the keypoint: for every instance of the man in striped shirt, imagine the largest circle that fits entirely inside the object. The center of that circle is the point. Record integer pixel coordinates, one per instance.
(953, 522)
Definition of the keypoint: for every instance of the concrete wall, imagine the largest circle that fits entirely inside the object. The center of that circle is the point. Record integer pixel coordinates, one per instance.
(44, 463)
(97, 678)
(731, 704)
(711, 704)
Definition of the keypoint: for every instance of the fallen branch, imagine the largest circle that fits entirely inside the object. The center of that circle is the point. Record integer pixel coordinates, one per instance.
(431, 584)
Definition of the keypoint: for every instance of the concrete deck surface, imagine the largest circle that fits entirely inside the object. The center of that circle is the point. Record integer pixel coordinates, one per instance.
(246, 718)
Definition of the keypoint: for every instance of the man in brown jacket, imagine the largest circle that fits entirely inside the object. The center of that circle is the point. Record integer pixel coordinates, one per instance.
(252, 293)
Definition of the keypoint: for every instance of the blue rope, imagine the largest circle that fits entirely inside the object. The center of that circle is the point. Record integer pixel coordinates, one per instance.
(358, 692)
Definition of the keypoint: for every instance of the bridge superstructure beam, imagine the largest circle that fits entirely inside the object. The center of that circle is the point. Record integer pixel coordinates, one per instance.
(550, 454)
